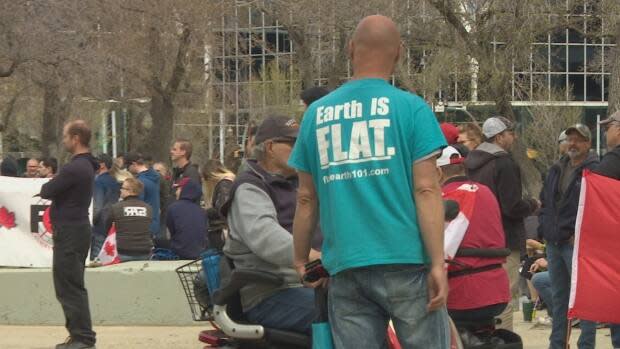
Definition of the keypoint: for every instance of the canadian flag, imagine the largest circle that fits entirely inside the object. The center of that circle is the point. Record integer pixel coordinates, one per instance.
(594, 290)
(455, 230)
(109, 254)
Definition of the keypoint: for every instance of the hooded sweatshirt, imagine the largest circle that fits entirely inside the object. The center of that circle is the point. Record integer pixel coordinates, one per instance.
(150, 195)
(71, 191)
(494, 167)
(610, 164)
(187, 223)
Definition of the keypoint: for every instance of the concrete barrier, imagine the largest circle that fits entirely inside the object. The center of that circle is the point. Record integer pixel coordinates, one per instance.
(132, 293)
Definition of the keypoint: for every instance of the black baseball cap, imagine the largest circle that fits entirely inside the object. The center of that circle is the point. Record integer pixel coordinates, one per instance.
(277, 127)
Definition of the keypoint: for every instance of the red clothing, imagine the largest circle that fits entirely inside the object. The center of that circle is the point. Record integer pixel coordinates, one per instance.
(484, 231)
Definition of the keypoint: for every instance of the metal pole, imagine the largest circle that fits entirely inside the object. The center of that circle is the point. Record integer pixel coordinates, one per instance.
(104, 133)
(598, 134)
(222, 134)
(114, 134)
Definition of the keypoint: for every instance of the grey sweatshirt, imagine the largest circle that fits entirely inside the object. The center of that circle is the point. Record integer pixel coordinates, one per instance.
(256, 241)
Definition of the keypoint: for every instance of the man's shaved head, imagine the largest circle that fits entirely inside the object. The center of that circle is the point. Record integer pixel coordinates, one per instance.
(375, 45)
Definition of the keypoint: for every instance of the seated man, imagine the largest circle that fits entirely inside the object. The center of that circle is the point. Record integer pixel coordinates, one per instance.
(260, 214)
(132, 218)
(478, 286)
(187, 221)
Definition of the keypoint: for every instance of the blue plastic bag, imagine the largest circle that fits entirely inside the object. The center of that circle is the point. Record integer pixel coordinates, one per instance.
(322, 336)
(211, 268)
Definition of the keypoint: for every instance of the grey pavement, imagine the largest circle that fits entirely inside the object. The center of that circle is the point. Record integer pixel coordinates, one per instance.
(186, 337)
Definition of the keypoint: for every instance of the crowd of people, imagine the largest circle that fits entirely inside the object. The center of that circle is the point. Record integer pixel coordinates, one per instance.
(363, 184)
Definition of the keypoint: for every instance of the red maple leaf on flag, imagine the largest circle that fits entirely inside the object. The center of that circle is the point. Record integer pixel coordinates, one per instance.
(7, 218)
(109, 248)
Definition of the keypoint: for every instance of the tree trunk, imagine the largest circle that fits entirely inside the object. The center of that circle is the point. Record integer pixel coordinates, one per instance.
(162, 113)
(55, 111)
(339, 68)
(614, 79)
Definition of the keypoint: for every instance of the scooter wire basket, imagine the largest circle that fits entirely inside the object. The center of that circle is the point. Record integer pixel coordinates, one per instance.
(195, 288)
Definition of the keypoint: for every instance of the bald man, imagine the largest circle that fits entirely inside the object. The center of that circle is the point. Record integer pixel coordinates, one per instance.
(365, 155)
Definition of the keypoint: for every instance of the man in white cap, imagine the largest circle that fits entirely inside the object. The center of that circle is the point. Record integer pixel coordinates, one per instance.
(478, 286)
(491, 164)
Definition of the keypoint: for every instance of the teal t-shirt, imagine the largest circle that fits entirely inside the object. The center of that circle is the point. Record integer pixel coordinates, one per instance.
(359, 143)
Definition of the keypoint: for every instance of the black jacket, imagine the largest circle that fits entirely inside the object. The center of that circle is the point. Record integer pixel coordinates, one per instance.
(189, 170)
(610, 164)
(558, 213)
(132, 218)
(71, 191)
(494, 167)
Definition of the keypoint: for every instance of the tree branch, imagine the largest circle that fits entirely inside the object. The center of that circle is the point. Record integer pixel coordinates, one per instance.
(445, 8)
(178, 72)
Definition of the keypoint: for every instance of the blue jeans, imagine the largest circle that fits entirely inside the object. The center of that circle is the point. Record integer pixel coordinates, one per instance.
(291, 309)
(363, 300)
(96, 243)
(542, 284)
(560, 259)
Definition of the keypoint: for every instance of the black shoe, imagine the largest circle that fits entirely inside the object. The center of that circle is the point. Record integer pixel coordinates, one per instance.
(73, 344)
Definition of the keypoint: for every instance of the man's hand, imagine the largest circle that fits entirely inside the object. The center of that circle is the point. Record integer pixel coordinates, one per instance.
(437, 288)
(540, 263)
(300, 267)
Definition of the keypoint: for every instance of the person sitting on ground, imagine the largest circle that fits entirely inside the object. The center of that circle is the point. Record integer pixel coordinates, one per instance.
(542, 284)
(478, 286)
(218, 180)
(131, 218)
(260, 215)
(106, 193)
(48, 168)
(470, 135)
(136, 164)
(187, 221)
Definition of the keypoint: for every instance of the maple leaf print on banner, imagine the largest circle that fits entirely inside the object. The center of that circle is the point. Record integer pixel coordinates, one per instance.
(7, 218)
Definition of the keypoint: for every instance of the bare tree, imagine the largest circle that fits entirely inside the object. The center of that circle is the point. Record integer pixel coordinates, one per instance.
(150, 48)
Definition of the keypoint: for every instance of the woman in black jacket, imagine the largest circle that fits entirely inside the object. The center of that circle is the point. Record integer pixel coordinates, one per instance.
(218, 181)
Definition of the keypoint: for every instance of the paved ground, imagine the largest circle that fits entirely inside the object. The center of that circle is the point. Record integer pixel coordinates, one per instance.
(44, 337)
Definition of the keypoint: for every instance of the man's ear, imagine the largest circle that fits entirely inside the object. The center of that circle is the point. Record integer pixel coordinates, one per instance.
(351, 50)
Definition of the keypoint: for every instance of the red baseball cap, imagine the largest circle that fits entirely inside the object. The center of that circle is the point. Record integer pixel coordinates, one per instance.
(450, 131)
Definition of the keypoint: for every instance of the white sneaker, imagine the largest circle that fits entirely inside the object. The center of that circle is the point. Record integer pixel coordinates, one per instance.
(544, 321)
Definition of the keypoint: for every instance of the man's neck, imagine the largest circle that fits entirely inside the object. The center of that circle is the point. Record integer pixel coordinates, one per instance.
(182, 162)
(578, 161)
(371, 75)
(142, 169)
(81, 150)
(272, 169)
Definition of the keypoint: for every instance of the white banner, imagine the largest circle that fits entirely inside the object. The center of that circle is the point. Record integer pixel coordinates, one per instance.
(25, 227)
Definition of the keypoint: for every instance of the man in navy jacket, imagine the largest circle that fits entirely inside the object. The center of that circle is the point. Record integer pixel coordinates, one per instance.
(560, 198)
(187, 221)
